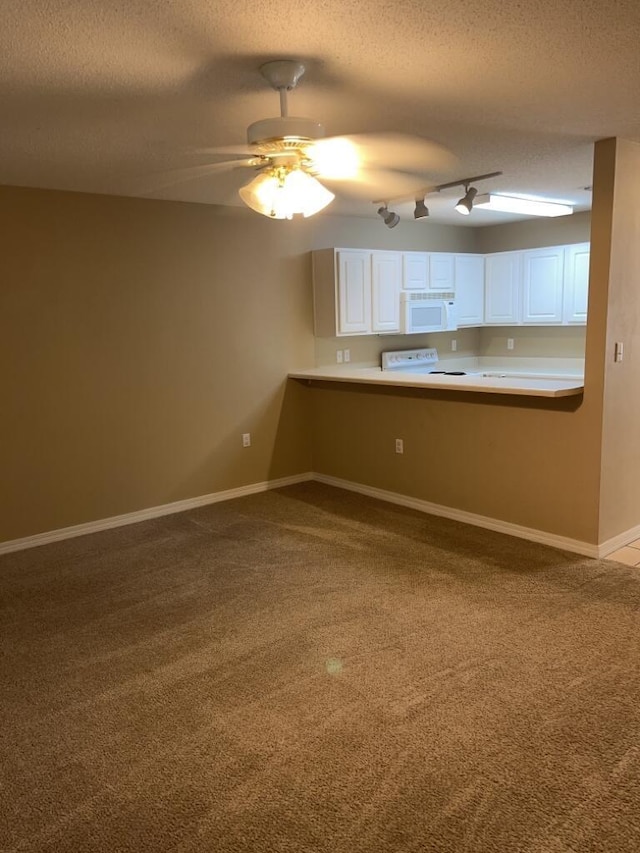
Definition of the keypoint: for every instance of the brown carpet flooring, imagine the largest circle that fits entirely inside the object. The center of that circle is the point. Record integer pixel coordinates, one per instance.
(311, 670)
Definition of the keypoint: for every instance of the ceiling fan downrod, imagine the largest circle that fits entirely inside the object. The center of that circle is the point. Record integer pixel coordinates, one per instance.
(285, 132)
(283, 76)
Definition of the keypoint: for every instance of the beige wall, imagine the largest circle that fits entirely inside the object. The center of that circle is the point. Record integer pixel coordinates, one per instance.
(534, 233)
(616, 296)
(529, 342)
(361, 233)
(138, 340)
(533, 341)
(516, 459)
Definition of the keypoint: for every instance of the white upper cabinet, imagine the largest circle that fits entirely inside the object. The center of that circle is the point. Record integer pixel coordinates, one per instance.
(469, 289)
(386, 278)
(415, 270)
(354, 292)
(502, 298)
(441, 273)
(538, 287)
(357, 291)
(432, 271)
(542, 283)
(576, 283)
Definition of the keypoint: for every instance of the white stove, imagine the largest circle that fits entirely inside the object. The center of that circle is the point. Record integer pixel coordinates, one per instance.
(416, 361)
(410, 359)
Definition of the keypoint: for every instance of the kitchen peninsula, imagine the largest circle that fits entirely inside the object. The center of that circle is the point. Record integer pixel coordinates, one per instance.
(532, 385)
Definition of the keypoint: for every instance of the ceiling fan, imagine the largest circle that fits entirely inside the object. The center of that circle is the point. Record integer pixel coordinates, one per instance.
(292, 156)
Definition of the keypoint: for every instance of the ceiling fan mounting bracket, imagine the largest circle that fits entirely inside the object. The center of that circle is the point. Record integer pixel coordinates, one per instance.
(282, 73)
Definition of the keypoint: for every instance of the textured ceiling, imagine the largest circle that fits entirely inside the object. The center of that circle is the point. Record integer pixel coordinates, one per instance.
(114, 97)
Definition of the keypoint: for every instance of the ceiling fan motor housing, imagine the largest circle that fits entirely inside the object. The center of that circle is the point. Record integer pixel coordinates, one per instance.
(283, 133)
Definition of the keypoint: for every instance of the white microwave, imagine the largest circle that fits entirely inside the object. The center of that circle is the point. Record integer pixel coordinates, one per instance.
(420, 312)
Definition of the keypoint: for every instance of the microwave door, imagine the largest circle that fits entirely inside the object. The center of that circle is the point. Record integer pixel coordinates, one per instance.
(426, 317)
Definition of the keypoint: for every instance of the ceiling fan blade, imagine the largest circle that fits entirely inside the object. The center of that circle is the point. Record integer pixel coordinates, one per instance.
(239, 150)
(343, 157)
(191, 173)
(374, 184)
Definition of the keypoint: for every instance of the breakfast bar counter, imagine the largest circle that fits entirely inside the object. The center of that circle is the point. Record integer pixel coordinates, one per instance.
(521, 383)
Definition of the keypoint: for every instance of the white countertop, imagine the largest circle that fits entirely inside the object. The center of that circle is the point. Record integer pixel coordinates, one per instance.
(519, 381)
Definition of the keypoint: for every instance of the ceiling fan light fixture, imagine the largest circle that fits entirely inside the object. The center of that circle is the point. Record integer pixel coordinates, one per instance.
(421, 210)
(465, 204)
(284, 191)
(523, 205)
(307, 195)
(389, 218)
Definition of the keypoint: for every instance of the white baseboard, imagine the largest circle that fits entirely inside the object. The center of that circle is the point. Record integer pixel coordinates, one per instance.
(145, 514)
(586, 549)
(619, 541)
(574, 545)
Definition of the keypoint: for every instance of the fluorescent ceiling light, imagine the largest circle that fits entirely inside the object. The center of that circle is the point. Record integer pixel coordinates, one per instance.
(520, 204)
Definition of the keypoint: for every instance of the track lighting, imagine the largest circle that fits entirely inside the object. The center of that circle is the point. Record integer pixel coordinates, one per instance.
(526, 205)
(465, 204)
(421, 210)
(389, 218)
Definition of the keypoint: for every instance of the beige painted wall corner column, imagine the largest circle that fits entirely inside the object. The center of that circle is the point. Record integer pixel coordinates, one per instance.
(614, 318)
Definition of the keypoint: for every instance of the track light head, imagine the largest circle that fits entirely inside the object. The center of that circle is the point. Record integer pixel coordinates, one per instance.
(465, 204)
(389, 218)
(421, 210)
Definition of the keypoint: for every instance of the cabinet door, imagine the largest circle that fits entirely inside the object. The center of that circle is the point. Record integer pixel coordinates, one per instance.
(576, 283)
(386, 277)
(542, 282)
(354, 293)
(469, 284)
(441, 272)
(502, 294)
(415, 270)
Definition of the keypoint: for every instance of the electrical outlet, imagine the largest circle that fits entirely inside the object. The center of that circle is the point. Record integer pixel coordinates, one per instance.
(510, 343)
(454, 345)
(339, 356)
(347, 355)
(246, 439)
(399, 445)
